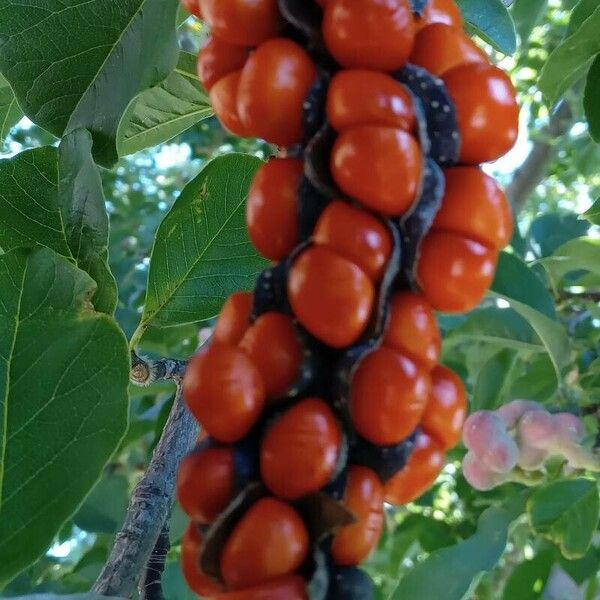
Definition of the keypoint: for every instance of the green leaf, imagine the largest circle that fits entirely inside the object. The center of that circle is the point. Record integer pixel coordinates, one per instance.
(515, 280)
(593, 213)
(528, 579)
(538, 382)
(202, 253)
(581, 569)
(54, 198)
(504, 328)
(591, 98)
(63, 398)
(166, 110)
(582, 11)
(566, 512)
(79, 64)
(568, 60)
(492, 22)
(550, 231)
(492, 380)
(104, 509)
(10, 112)
(526, 15)
(449, 573)
(522, 289)
(580, 254)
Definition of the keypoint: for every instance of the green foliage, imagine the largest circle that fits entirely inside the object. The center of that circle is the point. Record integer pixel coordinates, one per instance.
(590, 99)
(54, 444)
(527, 581)
(60, 86)
(566, 512)
(492, 22)
(202, 252)
(572, 57)
(10, 112)
(449, 573)
(164, 111)
(53, 197)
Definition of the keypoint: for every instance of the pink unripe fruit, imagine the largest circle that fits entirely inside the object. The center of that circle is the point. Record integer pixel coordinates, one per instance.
(502, 454)
(530, 458)
(480, 428)
(511, 413)
(478, 475)
(569, 427)
(537, 429)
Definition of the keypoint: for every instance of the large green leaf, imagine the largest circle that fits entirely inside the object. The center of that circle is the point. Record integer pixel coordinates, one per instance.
(492, 381)
(515, 280)
(591, 98)
(450, 573)
(528, 579)
(491, 20)
(504, 328)
(566, 512)
(202, 252)
(568, 61)
(580, 254)
(10, 111)
(166, 110)
(580, 13)
(53, 197)
(63, 398)
(526, 14)
(522, 289)
(79, 63)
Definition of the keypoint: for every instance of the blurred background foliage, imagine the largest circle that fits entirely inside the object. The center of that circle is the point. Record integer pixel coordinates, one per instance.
(552, 178)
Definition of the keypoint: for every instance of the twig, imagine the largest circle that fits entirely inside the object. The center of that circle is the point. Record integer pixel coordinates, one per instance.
(149, 506)
(533, 169)
(150, 586)
(145, 371)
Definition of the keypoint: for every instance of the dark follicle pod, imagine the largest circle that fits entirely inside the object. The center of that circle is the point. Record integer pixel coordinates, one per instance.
(305, 17)
(442, 123)
(415, 226)
(311, 204)
(386, 461)
(349, 583)
(418, 6)
(218, 533)
(316, 162)
(322, 515)
(313, 110)
(270, 292)
(421, 119)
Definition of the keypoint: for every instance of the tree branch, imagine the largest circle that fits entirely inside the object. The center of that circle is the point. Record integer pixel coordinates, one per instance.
(150, 586)
(145, 371)
(534, 168)
(149, 506)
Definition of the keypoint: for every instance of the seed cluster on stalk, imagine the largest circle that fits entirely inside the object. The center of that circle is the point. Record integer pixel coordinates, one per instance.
(321, 395)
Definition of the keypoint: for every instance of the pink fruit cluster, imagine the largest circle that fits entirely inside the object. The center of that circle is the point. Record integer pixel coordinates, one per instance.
(518, 438)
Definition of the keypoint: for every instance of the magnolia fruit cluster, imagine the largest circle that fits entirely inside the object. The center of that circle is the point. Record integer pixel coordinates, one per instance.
(321, 394)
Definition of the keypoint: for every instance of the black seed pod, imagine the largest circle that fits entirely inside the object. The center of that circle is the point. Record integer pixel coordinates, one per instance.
(440, 112)
(386, 461)
(311, 204)
(349, 583)
(270, 292)
(415, 226)
(418, 6)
